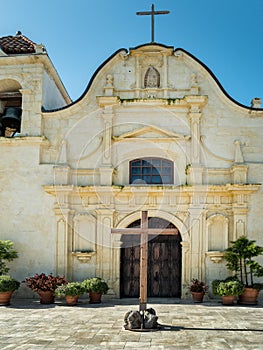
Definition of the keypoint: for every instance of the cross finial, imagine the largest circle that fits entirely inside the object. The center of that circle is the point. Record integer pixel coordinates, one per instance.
(152, 13)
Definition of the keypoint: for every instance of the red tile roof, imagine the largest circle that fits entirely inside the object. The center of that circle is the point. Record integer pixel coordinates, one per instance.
(18, 44)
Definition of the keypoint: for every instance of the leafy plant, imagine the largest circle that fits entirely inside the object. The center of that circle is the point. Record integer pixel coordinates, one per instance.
(230, 288)
(7, 253)
(8, 284)
(239, 259)
(198, 286)
(95, 285)
(216, 283)
(43, 282)
(71, 288)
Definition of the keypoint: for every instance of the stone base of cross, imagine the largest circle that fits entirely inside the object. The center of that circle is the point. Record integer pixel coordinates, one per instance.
(144, 231)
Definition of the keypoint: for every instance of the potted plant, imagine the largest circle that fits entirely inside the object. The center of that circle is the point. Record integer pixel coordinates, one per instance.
(228, 290)
(239, 257)
(45, 286)
(7, 253)
(215, 283)
(71, 291)
(95, 287)
(198, 290)
(7, 286)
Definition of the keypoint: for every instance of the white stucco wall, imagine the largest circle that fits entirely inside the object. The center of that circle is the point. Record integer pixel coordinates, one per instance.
(52, 97)
(91, 143)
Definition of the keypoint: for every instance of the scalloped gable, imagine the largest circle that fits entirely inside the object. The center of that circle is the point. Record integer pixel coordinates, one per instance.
(127, 87)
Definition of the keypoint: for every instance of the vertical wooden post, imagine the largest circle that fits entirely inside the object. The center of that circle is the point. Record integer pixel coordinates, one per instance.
(144, 231)
(144, 262)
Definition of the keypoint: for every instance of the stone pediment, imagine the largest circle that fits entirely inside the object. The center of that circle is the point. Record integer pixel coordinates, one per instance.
(151, 133)
(152, 49)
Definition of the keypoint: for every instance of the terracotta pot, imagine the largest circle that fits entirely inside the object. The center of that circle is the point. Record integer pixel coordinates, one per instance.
(198, 297)
(249, 296)
(46, 297)
(72, 300)
(94, 298)
(5, 298)
(228, 299)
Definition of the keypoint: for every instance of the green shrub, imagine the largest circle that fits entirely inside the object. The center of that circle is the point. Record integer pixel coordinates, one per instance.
(71, 289)
(230, 288)
(8, 284)
(239, 259)
(215, 284)
(7, 253)
(95, 285)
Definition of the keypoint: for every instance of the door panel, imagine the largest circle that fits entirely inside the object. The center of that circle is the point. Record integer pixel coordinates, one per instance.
(164, 266)
(130, 271)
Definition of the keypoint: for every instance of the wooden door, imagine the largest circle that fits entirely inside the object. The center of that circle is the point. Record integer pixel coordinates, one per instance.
(164, 261)
(164, 264)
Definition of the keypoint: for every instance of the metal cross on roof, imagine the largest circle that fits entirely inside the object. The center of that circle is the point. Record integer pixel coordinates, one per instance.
(152, 13)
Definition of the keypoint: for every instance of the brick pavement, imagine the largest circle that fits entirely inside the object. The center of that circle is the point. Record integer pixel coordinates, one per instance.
(26, 324)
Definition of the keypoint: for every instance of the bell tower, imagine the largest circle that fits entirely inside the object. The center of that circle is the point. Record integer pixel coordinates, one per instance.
(29, 84)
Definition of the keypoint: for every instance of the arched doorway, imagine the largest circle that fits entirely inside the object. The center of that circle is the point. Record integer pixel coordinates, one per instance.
(164, 262)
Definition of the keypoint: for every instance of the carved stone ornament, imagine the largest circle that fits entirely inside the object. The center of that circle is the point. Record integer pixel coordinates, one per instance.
(215, 256)
(83, 257)
(152, 78)
(151, 61)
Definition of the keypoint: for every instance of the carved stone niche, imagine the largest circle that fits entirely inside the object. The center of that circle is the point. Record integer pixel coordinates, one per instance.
(152, 78)
(217, 237)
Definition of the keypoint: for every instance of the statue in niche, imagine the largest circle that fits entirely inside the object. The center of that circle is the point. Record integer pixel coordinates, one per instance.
(152, 78)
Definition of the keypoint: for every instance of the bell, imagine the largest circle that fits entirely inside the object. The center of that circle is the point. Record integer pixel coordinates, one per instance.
(12, 118)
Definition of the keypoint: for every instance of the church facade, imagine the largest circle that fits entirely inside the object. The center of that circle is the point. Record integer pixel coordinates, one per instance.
(154, 131)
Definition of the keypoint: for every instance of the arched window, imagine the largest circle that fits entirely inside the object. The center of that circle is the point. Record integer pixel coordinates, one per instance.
(151, 171)
(10, 107)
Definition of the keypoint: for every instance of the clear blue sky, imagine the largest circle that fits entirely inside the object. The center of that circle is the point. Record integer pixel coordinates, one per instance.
(79, 35)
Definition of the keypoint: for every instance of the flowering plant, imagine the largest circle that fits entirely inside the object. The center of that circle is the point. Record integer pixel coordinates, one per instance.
(71, 289)
(198, 286)
(43, 282)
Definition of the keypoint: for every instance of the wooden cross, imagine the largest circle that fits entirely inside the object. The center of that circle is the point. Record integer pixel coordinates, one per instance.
(144, 231)
(152, 13)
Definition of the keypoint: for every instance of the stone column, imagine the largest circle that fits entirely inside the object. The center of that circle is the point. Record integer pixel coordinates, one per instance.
(107, 117)
(63, 242)
(165, 76)
(31, 122)
(106, 169)
(105, 264)
(195, 170)
(63, 232)
(27, 102)
(185, 268)
(138, 84)
(195, 117)
(197, 230)
(239, 222)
